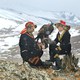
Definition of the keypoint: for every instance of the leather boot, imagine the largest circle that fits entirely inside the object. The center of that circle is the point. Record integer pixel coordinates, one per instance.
(58, 64)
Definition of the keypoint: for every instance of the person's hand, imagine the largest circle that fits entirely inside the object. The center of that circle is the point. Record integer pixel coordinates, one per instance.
(41, 46)
(58, 48)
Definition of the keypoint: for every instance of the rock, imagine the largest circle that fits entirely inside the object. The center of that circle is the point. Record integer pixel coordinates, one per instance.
(77, 74)
(69, 63)
(78, 78)
(58, 78)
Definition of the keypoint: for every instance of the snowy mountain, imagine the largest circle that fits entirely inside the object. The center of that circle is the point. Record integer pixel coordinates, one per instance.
(69, 17)
(12, 22)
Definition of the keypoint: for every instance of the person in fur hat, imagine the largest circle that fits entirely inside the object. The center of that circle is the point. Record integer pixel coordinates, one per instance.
(30, 50)
(61, 44)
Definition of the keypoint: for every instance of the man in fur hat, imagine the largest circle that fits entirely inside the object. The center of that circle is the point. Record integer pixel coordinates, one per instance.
(31, 51)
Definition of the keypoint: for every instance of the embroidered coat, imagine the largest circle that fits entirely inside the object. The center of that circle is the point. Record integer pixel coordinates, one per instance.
(28, 47)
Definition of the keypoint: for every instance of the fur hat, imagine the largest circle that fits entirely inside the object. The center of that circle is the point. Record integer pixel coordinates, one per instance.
(62, 22)
(31, 24)
(28, 24)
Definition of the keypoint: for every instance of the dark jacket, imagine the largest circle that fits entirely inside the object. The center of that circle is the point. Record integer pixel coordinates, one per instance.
(64, 41)
(28, 47)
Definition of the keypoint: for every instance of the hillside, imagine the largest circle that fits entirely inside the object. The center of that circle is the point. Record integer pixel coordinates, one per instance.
(14, 71)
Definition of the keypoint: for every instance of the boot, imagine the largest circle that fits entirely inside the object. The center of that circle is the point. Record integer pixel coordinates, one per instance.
(58, 64)
(46, 64)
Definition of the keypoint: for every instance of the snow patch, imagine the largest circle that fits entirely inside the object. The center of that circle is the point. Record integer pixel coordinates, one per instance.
(5, 23)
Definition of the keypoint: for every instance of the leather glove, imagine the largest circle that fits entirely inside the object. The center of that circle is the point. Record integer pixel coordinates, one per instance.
(58, 48)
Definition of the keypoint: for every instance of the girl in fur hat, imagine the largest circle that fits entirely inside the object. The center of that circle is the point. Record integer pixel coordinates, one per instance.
(61, 44)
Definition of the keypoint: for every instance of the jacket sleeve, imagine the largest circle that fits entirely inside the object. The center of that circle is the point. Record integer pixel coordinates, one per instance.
(65, 41)
(23, 43)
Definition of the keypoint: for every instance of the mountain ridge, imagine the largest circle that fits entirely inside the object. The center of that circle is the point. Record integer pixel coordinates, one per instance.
(53, 16)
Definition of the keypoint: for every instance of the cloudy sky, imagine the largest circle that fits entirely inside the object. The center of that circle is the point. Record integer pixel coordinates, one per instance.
(47, 5)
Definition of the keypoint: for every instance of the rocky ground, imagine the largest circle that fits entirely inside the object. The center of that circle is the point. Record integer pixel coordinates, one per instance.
(11, 71)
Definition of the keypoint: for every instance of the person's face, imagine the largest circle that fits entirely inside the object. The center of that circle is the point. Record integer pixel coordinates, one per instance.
(30, 29)
(60, 28)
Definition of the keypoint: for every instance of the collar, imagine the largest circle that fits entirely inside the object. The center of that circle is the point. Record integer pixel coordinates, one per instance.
(61, 32)
(30, 35)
